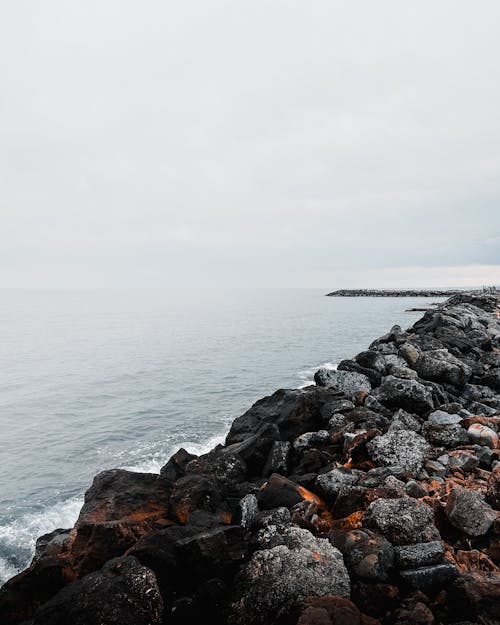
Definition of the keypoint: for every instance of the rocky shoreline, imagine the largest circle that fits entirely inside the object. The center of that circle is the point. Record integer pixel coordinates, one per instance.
(396, 293)
(371, 498)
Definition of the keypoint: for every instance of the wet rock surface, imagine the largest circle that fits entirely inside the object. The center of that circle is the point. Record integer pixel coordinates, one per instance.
(371, 498)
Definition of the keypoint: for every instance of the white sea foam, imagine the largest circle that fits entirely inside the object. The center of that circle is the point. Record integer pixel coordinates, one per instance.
(307, 375)
(22, 533)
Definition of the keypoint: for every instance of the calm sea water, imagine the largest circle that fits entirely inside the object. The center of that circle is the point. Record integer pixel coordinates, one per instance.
(98, 379)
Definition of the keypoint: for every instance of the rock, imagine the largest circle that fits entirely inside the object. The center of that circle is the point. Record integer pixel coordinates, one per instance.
(461, 459)
(421, 554)
(193, 493)
(403, 420)
(403, 448)
(402, 521)
(132, 588)
(429, 576)
(249, 509)
(468, 511)
(475, 596)
(435, 468)
(278, 459)
(366, 554)
(416, 613)
(440, 366)
(409, 353)
(352, 366)
(347, 382)
(310, 439)
(410, 395)
(332, 610)
(492, 379)
(276, 579)
(280, 491)
(220, 465)
(275, 516)
(483, 435)
(440, 417)
(444, 435)
(413, 489)
(291, 411)
(332, 483)
(493, 491)
(176, 466)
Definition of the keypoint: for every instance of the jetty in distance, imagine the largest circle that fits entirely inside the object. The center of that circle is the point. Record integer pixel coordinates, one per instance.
(407, 292)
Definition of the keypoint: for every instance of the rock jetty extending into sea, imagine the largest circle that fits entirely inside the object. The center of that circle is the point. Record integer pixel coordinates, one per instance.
(405, 292)
(370, 498)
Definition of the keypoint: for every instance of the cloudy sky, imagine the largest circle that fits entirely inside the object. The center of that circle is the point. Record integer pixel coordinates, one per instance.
(261, 143)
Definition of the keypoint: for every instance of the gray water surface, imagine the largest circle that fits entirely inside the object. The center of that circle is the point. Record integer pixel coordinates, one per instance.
(99, 379)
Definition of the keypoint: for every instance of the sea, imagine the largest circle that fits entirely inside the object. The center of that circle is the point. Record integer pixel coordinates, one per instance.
(98, 379)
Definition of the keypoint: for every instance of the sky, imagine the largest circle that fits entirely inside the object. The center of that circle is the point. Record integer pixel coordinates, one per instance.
(262, 143)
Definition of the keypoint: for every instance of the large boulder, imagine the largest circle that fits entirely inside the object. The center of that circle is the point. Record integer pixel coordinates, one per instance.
(123, 593)
(278, 578)
(347, 382)
(410, 395)
(402, 521)
(292, 411)
(468, 511)
(403, 448)
(440, 366)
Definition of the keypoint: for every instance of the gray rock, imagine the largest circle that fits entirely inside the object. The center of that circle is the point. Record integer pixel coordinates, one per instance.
(277, 461)
(338, 422)
(413, 489)
(407, 394)
(249, 509)
(421, 554)
(403, 448)
(402, 521)
(468, 511)
(467, 461)
(332, 483)
(483, 435)
(276, 579)
(366, 554)
(403, 420)
(402, 372)
(310, 439)
(409, 353)
(439, 365)
(348, 382)
(444, 435)
(429, 576)
(435, 468)
(440, 417)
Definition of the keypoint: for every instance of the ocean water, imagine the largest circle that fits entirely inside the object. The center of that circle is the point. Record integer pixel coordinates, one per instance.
(92, 380)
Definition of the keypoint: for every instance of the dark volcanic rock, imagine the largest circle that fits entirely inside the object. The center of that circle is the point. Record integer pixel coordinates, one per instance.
(428, 576)
(407, 394)
(279, 577)
(441, 366)
(366, 554)
(468, 511)
(347, 382)
(122, 593)
(421, 554)
(402, 521)
(176, 466)
(332, 610)
(293, 411)
(403, 448)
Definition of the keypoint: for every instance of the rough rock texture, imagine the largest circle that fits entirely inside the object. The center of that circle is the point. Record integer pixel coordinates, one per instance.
(468, 511)
(402, 521)
(383, 480)
(279, 577)
(122, 593)
(403, 448)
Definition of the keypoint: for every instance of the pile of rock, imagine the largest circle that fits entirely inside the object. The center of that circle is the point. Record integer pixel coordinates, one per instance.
(370, 498)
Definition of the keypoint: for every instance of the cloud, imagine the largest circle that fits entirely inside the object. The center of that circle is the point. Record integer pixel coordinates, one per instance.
(272, 143)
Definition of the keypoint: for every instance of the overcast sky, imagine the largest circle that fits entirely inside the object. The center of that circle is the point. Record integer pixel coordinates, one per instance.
(262, 143)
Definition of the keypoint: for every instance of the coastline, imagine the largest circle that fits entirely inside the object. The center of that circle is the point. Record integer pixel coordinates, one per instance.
(300, 472)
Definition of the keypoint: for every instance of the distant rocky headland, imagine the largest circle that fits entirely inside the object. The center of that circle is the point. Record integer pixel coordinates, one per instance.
(404, 292)
(370, 498)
